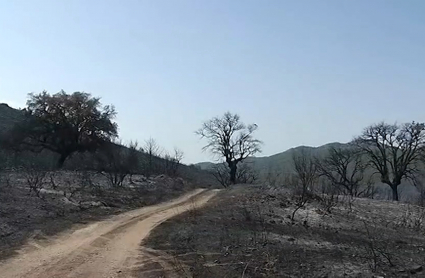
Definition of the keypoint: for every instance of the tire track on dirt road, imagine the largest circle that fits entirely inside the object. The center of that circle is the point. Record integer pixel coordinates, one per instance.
(109, 248)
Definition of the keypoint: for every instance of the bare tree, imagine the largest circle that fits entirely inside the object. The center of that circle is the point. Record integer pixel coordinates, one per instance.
(178, 155)
(305, 168)
(152, 151)
(221, 174)
(176, 159)
(133, 159)
(344, 169)
(228, 137)
(304, 178)
(172, 162)
(393, 151)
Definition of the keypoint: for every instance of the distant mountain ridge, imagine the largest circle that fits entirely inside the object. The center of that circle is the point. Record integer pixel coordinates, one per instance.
(280, 161)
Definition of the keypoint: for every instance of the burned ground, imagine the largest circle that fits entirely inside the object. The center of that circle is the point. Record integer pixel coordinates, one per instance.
(69, 199)
(248, 232)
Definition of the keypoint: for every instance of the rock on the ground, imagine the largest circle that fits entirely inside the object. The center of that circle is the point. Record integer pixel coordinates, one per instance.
(415, 269)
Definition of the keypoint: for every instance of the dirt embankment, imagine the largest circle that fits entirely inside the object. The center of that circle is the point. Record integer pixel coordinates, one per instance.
(109, 248)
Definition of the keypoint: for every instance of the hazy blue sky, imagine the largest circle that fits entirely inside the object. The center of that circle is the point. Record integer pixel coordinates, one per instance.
(307, 72)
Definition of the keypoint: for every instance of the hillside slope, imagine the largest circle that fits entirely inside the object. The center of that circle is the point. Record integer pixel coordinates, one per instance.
(8, 116)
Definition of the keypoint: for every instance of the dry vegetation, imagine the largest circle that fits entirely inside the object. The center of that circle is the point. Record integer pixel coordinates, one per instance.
(247, 231)
(314, 225)
(35, 204)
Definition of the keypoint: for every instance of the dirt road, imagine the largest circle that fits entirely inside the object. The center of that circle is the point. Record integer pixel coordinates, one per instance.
(109, 248)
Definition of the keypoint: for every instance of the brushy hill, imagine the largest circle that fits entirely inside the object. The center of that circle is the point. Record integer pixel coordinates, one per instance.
(10, 116)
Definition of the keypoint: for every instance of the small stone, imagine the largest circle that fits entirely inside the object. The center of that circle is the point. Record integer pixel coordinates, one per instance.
(415, 269)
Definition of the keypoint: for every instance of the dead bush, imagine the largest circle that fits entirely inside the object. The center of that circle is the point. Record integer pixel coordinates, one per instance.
(329, 197)
(35, 179)
(52, 180)
(303, 180)
(72, 186)
(377, 251)
(344, 169)
(115, 163)
(413, 218)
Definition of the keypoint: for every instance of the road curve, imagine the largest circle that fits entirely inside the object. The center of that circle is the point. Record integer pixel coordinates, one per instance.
(109, 248)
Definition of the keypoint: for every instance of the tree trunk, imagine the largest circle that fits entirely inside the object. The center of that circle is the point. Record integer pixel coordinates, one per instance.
(395, 192)
(61, 160)
(233, 169)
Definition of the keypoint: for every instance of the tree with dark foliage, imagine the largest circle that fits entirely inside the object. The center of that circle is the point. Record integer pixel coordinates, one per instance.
(394, 151)
(228, 137)
(64, 123)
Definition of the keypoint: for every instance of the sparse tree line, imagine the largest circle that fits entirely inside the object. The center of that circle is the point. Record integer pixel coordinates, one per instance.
(389, 153)
(384, 153)
(75, 131)
(72, 125)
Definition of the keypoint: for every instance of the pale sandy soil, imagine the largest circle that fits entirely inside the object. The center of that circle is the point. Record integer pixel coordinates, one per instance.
(109, 248)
